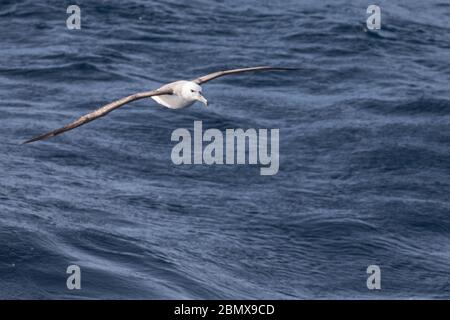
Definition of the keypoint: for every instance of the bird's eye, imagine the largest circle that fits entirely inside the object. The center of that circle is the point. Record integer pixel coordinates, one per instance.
(192, 90)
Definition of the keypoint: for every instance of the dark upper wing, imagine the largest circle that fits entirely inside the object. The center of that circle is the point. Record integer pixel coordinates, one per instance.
(99, 113)
(218, 74)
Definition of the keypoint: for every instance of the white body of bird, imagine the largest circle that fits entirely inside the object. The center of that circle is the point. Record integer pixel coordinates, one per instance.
(185, 94)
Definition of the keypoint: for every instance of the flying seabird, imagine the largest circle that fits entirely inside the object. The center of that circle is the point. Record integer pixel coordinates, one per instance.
(175, 95)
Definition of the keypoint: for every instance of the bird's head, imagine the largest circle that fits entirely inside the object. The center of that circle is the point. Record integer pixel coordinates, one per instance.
(192, 91)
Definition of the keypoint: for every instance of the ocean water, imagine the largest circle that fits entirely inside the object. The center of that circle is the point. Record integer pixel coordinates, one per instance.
(364, 173)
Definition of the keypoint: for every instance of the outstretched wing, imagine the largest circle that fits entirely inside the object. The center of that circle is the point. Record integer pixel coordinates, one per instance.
(218, 74)
(103, 111)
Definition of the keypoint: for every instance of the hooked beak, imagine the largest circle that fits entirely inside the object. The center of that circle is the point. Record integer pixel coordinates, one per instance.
(203, 100)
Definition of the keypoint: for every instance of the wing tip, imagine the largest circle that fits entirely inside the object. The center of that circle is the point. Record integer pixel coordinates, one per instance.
(37, 138)
(29, 141)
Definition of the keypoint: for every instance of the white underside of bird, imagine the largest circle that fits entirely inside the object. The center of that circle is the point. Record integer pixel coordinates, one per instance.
(185, 94)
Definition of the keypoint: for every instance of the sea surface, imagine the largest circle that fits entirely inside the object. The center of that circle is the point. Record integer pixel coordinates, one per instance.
(364, 174)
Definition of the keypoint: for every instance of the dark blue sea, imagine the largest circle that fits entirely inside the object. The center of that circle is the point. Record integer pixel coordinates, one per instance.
(364, 175)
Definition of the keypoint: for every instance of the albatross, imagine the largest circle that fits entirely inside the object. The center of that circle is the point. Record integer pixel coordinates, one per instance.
(175, 95)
